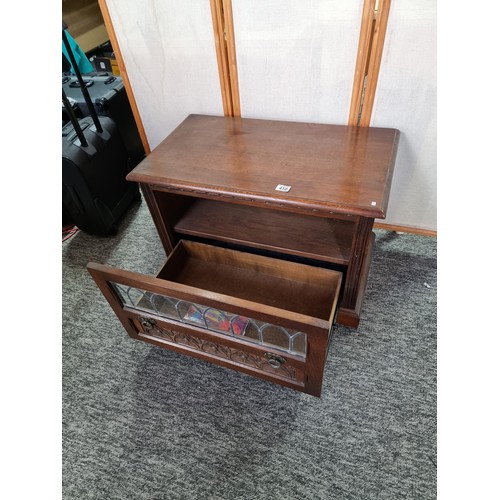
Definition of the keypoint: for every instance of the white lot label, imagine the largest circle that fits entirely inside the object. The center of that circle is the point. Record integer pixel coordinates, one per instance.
(282, 187)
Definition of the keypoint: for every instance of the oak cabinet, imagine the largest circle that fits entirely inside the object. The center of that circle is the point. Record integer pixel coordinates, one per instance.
(267, 228)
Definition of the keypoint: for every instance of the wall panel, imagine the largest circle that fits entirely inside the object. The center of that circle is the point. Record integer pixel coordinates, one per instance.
(406, 100)
(296, 58)
(168, 49)
(296, 61)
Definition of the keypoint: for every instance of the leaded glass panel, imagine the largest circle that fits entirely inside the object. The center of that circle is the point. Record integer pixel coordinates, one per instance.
(217, 320)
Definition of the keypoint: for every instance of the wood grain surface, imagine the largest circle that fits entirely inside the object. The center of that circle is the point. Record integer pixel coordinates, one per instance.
(330, 167)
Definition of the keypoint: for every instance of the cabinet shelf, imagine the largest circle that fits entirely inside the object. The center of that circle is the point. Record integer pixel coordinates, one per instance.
(311, 237)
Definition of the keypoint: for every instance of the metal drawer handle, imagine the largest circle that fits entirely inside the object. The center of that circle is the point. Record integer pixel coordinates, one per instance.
(147, 323)
(274, 360)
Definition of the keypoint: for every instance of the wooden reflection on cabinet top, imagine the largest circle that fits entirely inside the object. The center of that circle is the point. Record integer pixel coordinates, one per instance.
(331, 167)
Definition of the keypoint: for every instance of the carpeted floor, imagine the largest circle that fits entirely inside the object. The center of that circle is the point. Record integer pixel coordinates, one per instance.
(141, 422)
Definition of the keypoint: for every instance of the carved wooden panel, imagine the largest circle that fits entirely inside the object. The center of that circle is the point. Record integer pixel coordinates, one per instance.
(268, 362)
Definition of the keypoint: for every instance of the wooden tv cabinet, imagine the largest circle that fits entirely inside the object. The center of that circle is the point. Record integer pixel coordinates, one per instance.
(267, 223)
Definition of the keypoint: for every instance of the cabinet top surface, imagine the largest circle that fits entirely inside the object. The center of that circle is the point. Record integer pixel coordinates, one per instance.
(328, 167)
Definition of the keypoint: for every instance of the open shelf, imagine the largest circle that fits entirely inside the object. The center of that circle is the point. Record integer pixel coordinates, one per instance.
(325, 239)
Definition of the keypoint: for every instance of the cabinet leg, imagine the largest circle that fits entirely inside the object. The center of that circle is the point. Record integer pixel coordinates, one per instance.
(357, 274)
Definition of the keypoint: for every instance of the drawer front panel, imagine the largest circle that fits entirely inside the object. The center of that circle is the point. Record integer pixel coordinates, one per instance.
(214, 319)
(277, 344)
(270, 363)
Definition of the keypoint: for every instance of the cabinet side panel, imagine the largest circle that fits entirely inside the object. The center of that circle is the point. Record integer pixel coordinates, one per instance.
(164, 231)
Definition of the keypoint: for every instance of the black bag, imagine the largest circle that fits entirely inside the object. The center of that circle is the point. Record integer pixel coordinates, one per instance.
(95, 192)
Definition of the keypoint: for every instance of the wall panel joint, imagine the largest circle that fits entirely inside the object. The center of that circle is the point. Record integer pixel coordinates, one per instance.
(225, 48)
(371, 43)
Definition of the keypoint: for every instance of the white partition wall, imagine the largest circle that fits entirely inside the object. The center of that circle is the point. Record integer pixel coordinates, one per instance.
(169, 52)
(296, 58)
(406, 100)
(295, 61)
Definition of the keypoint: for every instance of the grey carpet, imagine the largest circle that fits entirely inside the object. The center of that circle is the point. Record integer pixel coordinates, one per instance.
(141, 422)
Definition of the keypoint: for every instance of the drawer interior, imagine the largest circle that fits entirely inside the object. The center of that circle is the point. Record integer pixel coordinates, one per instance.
(286, 285)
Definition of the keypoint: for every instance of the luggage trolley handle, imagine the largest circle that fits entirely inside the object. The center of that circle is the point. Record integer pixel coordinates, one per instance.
(74, 120)
(83, 87)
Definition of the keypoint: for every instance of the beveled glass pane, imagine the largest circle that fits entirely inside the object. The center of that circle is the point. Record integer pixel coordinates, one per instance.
(275, 336)
(298, 343)
(191, 313)
(165, 306)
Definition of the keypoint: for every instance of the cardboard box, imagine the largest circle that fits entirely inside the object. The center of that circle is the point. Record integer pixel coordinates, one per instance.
(108, 64)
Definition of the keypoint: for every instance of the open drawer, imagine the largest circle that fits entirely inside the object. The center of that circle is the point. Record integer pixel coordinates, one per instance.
(263, 316)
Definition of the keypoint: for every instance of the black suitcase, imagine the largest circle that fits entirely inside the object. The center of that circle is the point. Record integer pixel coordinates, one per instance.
(108, 95)
(95, 192)
(76, 110)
